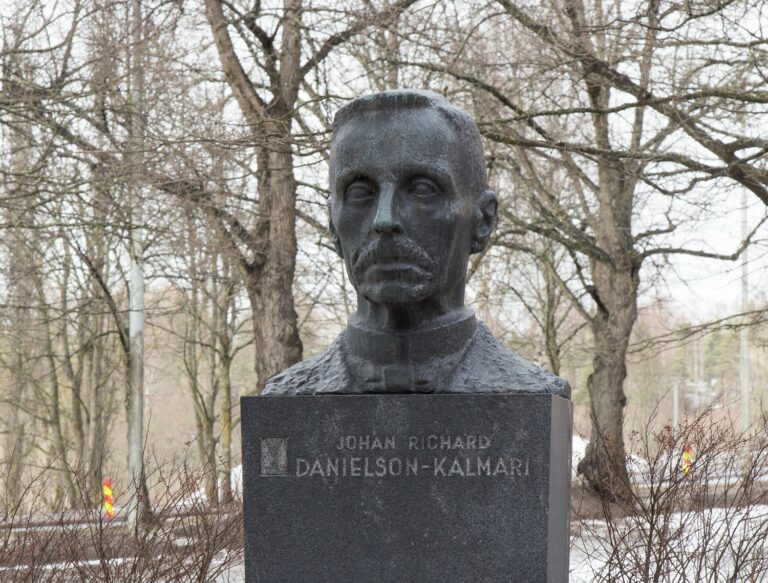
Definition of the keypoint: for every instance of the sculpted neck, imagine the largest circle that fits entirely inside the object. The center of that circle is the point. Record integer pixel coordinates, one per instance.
(410, 317)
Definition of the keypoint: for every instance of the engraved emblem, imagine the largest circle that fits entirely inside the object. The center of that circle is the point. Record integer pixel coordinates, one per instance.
(274, 456)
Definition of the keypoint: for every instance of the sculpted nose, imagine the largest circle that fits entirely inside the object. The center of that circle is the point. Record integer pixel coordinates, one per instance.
(386, 220)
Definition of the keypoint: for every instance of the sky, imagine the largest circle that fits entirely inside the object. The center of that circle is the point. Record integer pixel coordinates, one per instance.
(704, 289)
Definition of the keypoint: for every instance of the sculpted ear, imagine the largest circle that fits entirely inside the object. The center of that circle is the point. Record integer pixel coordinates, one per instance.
(485, 218)
(334, 235)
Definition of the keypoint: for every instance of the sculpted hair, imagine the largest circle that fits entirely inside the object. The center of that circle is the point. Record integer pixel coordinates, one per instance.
(398, 100)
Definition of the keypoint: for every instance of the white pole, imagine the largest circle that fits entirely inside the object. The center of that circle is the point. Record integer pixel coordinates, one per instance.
(136, 276)
(136, 335)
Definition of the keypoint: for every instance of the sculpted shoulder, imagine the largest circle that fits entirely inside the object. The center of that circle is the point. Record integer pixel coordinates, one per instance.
(489, 367)
(323, 373)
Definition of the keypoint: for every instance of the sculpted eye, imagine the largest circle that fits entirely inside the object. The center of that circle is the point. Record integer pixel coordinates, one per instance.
(424, 188)
(359, 192)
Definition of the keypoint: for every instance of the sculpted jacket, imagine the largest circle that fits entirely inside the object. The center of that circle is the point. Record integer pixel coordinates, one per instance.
(459, 357)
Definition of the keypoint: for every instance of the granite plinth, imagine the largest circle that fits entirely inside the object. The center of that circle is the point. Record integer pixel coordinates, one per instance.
(406, 488)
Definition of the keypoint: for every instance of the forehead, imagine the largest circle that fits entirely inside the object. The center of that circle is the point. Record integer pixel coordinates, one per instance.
(391, 140)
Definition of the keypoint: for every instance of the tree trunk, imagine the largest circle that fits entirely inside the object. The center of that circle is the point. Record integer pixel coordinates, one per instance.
(211, 474)
(549, 319)
(269, 279)
(225, 333)
(74, 377)
(604, 465)
(270, 289)
(16, 417)
(15, 436)
(15, 439)
(225, 488)
(54, 414)
(97, 373)
(206, 447)
(615, 281)
(97, 412)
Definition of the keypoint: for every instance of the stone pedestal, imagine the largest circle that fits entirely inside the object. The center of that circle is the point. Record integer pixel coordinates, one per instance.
(406, 488)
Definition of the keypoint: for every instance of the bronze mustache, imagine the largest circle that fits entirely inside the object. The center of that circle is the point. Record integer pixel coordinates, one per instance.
(394, 250)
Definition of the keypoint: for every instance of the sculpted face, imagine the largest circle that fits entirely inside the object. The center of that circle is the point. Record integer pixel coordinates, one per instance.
(402, 213)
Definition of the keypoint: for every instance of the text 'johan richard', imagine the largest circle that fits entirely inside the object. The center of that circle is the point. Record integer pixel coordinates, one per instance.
(414, 442)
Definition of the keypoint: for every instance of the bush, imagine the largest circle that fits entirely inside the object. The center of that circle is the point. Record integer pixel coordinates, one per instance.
(184, 539)
(708, 525)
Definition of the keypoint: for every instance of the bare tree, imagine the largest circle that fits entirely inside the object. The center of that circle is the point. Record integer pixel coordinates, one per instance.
(208, 297)
(589, 145)
(269, 101)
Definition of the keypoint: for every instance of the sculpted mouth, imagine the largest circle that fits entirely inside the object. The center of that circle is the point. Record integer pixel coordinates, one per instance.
(396, 267)
(392, 259)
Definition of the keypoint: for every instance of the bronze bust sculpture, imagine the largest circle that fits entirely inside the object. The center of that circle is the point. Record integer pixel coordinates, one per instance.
(409, 203)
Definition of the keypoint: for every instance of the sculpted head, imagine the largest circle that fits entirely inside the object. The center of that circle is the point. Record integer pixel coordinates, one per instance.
(409, 203)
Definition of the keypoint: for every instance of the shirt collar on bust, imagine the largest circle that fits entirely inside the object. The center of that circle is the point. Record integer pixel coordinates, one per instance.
(441, 339)
(423, 360)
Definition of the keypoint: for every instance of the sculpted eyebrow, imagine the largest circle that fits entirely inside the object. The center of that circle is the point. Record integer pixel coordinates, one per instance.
(346, 178)
(439, 173)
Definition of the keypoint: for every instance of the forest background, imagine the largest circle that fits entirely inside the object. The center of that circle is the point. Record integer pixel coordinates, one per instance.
(163, 184)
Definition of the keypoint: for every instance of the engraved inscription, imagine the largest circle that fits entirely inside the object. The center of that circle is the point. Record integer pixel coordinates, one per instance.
(374, 442)
(381, 467)
(366, 442)
(448, 442)
(438, 455)
(274, 456)
(357, 467)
